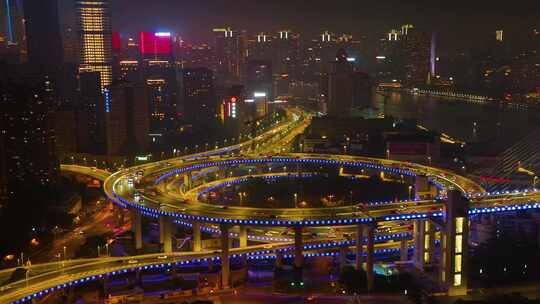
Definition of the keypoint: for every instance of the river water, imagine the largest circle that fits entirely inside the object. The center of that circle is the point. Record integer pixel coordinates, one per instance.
(490, 123)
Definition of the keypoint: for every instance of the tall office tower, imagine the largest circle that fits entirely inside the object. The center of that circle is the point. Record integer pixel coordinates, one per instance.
(416, 55)
(259, 78)
(287, 49)
(160, 78)
(259, 85)
(199, 98)
(95, 34)
(347, 88)
(159, 75)
(260, 47)
(43, 34)
(229, 54)
(127, 119)
(28, 135)
(340, 85)
(389, 58)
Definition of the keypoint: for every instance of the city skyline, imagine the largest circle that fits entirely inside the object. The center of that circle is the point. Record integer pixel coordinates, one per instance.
(469, 20)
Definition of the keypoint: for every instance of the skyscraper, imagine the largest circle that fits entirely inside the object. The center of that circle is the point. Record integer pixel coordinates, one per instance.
(340, 85)
(199, 98)
(43, 34)
(347, 88)
(416, 45)
(229, 54)
(95, 34)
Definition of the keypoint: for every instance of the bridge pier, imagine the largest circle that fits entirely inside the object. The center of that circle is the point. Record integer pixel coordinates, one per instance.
(404, 250)
(359, 250)
(298, 247)
(165, 233)
(225, 263)
(342, 257)
(243, 237)
(370, 257)
(196, 236)
(454, 243)
(279, 259)
(136, 228)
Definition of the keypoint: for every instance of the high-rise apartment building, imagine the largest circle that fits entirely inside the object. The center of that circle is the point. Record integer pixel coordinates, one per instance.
(95, 34)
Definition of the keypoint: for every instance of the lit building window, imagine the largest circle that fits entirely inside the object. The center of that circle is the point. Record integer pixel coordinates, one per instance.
(457, 263)
(459, 225)
(457, 279)
(459, 243)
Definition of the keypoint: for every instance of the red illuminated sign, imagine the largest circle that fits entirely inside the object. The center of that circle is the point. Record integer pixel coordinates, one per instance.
(155, 43)
(116, 41)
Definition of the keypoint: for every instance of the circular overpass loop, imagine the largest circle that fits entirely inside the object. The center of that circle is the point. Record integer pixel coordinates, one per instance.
(188, 206)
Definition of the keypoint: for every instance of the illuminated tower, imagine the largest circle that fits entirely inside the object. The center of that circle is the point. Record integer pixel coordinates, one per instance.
(95, 35)
(433, 55)
(11, 27)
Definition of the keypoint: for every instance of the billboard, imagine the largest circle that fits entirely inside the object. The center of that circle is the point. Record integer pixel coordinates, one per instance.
(153, 44)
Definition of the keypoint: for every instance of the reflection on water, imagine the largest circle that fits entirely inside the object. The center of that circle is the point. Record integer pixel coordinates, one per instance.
(467, 121)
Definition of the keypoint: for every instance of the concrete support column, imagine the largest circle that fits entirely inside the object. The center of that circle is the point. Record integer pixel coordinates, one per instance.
(279, 259)
(454, 245)
(196, 235)
(359, 246)
(342, 257)
(165, 233)
(136, 227)
(370, 257)
(404, 250)
(298, 247)
(225, 263)
(243, 236)
(419, 243)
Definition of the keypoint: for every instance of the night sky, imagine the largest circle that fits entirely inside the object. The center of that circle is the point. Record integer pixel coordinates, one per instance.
(460, 23)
